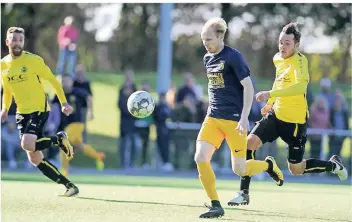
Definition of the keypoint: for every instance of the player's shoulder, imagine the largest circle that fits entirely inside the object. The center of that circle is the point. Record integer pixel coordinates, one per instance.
(32, 56)
(6, 59)
(232, 51)
(298, 57)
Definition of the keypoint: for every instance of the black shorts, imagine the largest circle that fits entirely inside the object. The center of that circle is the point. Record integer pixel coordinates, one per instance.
(32, 123)
(269, 128)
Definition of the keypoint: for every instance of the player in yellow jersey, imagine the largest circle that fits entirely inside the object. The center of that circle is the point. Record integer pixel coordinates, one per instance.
(22, 75)
(286, 114)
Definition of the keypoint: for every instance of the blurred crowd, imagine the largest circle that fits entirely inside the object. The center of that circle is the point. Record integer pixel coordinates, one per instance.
(180, 104)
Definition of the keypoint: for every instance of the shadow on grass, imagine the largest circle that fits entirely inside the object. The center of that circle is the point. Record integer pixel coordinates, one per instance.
(246, 211)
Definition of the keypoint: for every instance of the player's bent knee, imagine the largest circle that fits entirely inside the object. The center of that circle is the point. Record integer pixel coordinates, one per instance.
(239, 170)
(253, 142)
(239, 166)
(35, 157)
(204, 152)
(28, 142)
(296, 169)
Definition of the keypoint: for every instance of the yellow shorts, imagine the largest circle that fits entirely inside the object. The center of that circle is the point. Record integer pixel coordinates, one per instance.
(214, 131)
(75, 132)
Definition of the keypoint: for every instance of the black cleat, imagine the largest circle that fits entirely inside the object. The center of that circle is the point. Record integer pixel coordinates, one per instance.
(213, 212)
(71, 191)
(274, 171)
(65, 145)
(240, 199)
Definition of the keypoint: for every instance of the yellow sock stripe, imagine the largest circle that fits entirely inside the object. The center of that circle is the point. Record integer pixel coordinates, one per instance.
(42, 139)
(296, 130)
(315, 168)
(53, 168)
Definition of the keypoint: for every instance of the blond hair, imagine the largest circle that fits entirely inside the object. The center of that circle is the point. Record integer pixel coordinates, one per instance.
(218, 24)
(12, 30)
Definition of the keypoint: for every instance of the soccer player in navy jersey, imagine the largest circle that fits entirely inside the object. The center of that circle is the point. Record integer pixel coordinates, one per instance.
(231, 93)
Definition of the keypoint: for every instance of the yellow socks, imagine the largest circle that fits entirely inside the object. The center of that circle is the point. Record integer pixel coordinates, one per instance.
(254, 167)
(89, 151)
(207, 178)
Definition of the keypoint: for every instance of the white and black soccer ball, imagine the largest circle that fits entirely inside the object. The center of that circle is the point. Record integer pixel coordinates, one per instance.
(140, 104)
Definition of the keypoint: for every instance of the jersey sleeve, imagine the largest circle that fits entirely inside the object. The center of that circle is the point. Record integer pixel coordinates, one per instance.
(45, 73)
(7, 95)
(301, 69)
(239, 65)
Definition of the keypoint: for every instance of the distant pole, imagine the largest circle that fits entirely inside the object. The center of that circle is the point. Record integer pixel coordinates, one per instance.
(165, 48)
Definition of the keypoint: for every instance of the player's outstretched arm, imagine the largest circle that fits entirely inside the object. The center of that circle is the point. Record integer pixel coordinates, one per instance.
(248, 92)
(45, 72)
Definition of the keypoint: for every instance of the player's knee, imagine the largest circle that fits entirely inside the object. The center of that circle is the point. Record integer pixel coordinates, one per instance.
(253, 142)
(204, 152)
(239, 169)
(296, 169)
(28, 142)
(35, 157)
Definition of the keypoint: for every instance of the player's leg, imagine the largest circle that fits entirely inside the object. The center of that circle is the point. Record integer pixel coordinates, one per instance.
(264, 131)
(31, 125)
(209, 138)
(50, 171)
(298, 166)
(31, 128)
(75, 133)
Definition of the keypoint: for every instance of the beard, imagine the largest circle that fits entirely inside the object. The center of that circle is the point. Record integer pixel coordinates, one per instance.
(16, 51)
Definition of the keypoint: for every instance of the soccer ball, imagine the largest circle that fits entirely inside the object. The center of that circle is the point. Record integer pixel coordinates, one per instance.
(140, 104)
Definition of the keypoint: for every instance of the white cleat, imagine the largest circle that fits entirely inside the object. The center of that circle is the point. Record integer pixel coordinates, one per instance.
(240, 199)
(340, 169)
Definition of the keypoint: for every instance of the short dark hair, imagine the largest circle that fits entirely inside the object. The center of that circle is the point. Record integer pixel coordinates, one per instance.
(292, 28)
(14, 30)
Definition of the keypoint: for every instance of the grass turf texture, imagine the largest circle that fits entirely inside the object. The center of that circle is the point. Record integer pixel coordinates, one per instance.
(104, 129)
(32, 197)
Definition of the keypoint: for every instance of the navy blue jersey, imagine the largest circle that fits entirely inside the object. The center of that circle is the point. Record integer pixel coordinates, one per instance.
(225, 71)
(76, 98)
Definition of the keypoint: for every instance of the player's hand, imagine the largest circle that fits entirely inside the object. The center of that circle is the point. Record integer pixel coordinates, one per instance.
(262, 96)
(4, 114)
(243, 126)
(66, 109)
(266, 109)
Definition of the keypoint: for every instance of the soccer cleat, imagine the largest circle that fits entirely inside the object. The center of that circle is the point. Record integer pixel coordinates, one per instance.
(340, 169)
(71, 190)
(100, 162)
(274, 171)
(240, 199)
(213, 212)
(65, 145)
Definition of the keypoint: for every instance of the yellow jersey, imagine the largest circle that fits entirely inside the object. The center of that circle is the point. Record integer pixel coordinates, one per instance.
(23, 78)
(290, 88)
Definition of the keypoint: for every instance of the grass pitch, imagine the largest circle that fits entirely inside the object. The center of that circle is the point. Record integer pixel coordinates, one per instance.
(31, 197)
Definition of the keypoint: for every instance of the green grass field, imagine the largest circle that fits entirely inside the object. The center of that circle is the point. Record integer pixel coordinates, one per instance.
(31, 197)
(104, 129)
